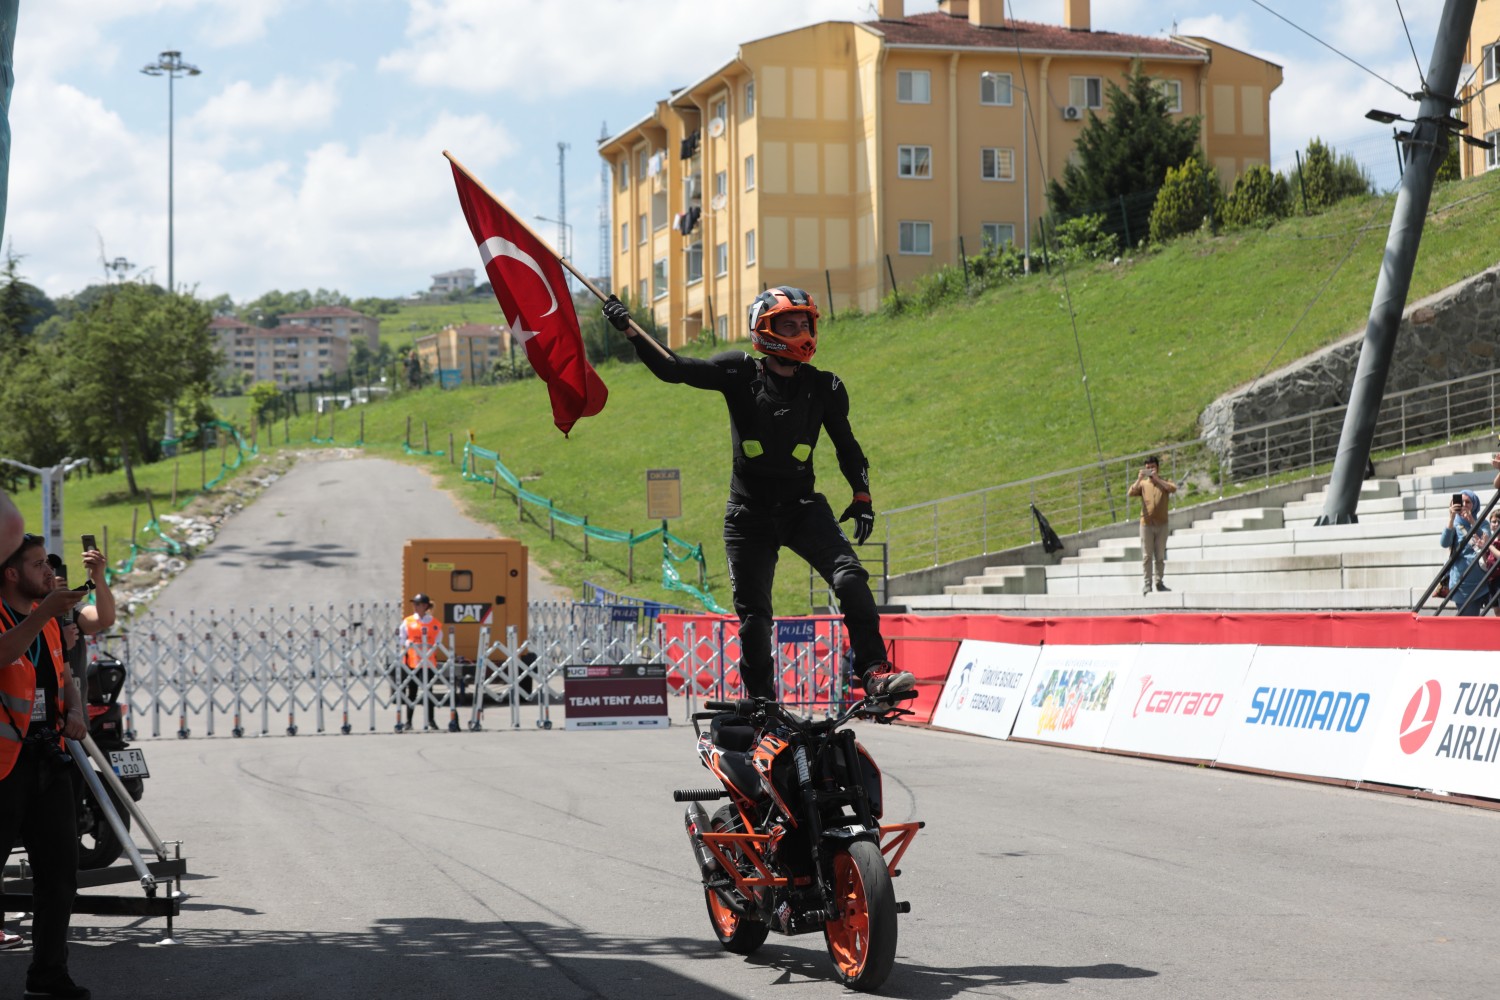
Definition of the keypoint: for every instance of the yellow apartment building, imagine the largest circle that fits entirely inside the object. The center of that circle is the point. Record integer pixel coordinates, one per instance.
(844, 156)
(464, 354)
(1481, 95)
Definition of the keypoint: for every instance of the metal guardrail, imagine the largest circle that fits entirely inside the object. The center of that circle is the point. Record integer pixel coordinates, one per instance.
(1074, 500)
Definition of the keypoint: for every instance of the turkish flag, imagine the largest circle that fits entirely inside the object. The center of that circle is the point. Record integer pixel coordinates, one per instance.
(528, 280)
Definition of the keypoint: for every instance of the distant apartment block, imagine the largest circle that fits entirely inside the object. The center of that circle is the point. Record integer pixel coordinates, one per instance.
(1480, 96)
(461, 280)
(290, 355)
(463, 355)
(338, 321)
(842, 155)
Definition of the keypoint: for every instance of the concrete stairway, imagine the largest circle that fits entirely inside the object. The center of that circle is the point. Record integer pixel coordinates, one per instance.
(1255, 558)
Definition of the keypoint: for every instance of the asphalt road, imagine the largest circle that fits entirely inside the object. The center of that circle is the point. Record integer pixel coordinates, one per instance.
(553, 864)
(331, 530)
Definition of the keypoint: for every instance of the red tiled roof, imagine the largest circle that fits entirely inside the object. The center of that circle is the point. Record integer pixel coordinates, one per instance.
(937, 28)
(323, 311)
(227, 322)
(477, 330)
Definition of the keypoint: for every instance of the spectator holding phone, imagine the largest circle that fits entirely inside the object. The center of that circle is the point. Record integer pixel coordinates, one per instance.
(40, 704)
(1153, 491)
(1463, 510)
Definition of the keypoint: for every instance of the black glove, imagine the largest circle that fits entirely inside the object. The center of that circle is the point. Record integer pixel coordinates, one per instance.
(864, 518)
(617, 314)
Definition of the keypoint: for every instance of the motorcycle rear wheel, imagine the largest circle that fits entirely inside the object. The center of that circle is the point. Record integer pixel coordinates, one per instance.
(861, 937)
(98, 847)
(738, 934)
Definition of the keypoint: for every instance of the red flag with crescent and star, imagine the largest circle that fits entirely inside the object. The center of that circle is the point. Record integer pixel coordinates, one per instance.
(528, 281)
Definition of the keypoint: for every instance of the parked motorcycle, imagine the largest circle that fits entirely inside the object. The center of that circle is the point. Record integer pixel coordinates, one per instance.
(98, 847)
(800, 847)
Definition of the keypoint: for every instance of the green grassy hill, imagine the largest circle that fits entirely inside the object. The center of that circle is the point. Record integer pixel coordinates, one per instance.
(973, 394)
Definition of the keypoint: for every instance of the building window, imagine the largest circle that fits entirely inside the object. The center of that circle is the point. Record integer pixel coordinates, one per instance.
(659, 279)
(721, 184)
(658, 210)
(914, 161)
(995, 88)
(695, 262)
(914, 86)
(721, 111)
(750, 172)
(623, 170)
(1492, 155)
(1086, 91)
(997, 164)
(643, 292)
(640, 227)
(721, 259)
(1492, 63)
(1171, 92)
(750, 99)
(997, 234)
(749, 247)
(624, 236)
(642, 161)
(722, 325)
(916, 237)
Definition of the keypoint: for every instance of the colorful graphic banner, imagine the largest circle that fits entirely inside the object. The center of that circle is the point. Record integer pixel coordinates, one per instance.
(985, 688)
(1179, 700)
(1074, 691)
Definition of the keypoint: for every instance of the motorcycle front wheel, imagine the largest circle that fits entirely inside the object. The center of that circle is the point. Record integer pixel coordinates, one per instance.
(861, 937)
(98, 847)
(738, 934)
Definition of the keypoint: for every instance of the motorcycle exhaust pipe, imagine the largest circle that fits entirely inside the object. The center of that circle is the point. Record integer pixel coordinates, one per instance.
(696, 821)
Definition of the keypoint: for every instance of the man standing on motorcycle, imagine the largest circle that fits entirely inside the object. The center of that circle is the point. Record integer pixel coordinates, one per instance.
(777, 407)
(39, 705)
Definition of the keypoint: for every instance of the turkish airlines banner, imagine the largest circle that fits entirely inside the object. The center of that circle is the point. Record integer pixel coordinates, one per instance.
(1310, 710)
(1074, 691)
(1179, 700)
(985, 688)
(1440, 729)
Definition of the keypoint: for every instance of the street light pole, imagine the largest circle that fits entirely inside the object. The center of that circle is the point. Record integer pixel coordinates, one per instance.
(170, 65)
(565, 237)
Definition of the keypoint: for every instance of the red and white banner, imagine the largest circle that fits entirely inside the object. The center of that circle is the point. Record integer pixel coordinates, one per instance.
(1074, 692)
(1310, 710)
(985, 688)
(1440, 729)
(1179, 700)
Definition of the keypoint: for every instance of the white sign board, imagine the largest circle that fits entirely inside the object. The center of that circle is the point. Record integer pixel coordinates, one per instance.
(985, 687)
(1440, 728)
(1310, 710)
(1074, 690)
(1179, 700)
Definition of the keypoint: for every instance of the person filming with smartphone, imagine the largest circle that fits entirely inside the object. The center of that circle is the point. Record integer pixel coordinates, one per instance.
(40, 705)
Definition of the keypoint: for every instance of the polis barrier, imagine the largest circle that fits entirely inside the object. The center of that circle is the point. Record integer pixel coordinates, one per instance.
(341, 669)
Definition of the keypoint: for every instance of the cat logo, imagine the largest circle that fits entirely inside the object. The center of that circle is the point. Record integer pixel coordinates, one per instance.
(466, 614)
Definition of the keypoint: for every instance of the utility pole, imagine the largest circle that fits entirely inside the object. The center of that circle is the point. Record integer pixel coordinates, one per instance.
(1426, 148)
(605, 236)
(562, 203)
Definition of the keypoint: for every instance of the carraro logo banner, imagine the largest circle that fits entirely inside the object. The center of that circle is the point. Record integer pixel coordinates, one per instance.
(1440, 729)
(1074, 691)
(1310, 710)
(1178, 701)
(985, 688)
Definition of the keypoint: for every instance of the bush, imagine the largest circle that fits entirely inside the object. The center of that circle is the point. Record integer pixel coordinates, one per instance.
(1084, 238)
(1186, 202)
(1328, 179)
(1258, 195)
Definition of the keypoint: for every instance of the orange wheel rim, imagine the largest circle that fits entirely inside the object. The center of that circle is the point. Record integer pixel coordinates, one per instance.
(849, 930)
(726, 921)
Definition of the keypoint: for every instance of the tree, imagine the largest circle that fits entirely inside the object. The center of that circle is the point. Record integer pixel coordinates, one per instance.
(23, 307)
(264, 400)
(127, 359)
(1185, 202)
(1258, 194)
(1127, 153)
(1329, 179)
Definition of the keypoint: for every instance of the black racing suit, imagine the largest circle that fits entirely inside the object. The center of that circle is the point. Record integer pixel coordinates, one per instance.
(774, 423)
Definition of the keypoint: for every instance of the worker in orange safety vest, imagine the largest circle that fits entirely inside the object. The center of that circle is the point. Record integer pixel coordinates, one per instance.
(420, 634)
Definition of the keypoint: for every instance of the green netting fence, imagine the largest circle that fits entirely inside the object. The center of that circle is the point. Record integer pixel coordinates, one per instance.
(484, 466)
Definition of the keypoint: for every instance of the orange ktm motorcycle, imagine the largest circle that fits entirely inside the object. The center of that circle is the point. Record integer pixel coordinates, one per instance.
(800, 847)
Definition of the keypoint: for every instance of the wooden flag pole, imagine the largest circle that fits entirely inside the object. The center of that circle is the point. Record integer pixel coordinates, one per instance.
(582, 279)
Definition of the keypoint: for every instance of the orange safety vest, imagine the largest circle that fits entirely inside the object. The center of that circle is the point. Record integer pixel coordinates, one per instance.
(421, 636)
(18, 690)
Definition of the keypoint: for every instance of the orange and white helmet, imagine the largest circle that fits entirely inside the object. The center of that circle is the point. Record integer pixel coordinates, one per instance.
(779, 301)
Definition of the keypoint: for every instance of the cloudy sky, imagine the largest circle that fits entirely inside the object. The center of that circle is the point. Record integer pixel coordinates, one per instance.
(308, 150)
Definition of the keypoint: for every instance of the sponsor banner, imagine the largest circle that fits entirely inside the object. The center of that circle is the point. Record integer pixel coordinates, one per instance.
(1074, 690)
(615, 696)
(985, 688)
(1440, 728)
(1310, 710)
(1178, 701)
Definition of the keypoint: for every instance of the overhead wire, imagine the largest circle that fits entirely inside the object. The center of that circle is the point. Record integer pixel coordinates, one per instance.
(1330, 48)
(1412, 45)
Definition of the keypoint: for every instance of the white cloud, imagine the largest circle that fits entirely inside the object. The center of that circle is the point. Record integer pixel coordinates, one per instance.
(283, 104)
(534, 50)
(1232, 31)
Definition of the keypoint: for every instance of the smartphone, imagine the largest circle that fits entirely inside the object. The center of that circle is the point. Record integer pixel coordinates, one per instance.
(1458, 499)
(88, 585)
(89, 545)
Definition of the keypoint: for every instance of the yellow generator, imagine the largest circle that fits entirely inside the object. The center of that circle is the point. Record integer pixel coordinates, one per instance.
(472, 582)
